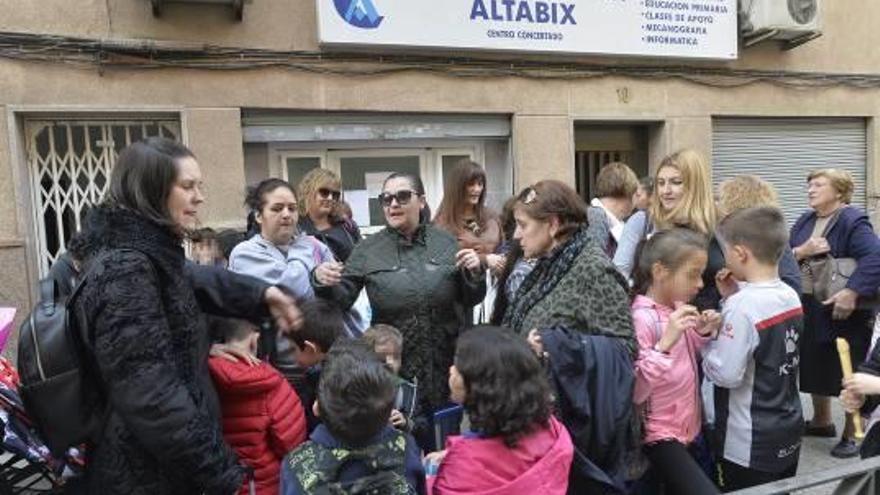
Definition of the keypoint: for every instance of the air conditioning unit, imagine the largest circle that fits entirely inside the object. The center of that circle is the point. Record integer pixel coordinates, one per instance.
(793, 22)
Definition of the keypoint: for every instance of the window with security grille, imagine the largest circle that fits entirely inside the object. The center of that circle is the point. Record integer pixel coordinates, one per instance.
(70, 163)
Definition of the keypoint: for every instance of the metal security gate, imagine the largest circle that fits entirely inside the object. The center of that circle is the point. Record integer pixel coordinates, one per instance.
(783, 151)
(588, 164)
(70, 163)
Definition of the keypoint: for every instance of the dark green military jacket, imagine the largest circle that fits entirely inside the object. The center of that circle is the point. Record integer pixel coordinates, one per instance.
(414, 285)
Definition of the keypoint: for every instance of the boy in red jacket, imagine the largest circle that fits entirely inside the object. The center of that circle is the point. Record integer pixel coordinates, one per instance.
(263, 419)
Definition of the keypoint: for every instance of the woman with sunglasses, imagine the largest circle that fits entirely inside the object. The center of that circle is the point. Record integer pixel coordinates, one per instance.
(320, 213)
(417, 280)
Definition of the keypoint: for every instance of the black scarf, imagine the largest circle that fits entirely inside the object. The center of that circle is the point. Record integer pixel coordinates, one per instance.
(543, 279)
(108, 227)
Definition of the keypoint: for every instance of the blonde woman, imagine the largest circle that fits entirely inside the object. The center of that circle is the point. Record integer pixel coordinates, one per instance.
(749, 191)
(319, 213)
(682, 198)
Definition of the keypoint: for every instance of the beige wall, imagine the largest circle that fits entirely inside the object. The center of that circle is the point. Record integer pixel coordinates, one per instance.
(214, 135)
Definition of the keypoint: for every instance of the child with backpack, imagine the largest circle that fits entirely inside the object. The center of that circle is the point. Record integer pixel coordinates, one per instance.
(387, 342)
(354, 450)
(262, 416)
(671, 333)
(516, 446)
(754, 361)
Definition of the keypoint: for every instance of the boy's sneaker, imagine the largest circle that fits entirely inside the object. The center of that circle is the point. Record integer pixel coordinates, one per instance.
(845, 449)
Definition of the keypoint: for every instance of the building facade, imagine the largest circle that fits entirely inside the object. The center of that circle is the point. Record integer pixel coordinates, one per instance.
(261, 97)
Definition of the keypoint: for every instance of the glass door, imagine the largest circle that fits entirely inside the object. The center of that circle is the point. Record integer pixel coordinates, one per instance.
(363, 173)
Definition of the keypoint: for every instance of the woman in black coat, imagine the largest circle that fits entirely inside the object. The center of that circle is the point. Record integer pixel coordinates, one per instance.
(161, 432)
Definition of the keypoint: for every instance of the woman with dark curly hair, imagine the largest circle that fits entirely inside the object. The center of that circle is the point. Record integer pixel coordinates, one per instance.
(516, 445)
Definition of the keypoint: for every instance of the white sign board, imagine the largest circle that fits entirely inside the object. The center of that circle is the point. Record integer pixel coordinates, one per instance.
(654, 28)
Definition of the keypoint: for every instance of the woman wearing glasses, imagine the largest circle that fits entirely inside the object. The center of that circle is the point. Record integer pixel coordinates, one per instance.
(320, 214)
(418, 281)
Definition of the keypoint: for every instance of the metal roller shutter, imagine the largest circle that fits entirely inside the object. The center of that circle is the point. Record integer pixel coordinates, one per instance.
(783, 151)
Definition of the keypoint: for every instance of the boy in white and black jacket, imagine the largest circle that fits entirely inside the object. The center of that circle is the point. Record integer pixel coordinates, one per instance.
(753, 363)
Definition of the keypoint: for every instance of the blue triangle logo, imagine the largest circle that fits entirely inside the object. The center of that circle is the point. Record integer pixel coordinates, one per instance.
(359, 13)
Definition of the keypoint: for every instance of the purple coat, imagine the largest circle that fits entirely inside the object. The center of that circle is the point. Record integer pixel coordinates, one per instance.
(851, 237)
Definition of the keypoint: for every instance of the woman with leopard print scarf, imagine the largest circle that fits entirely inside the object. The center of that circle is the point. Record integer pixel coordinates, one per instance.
(573, 283)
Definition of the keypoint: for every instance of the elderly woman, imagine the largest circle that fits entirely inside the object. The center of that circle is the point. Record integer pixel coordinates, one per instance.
(832, 226)
(417, 280)
(321, 214)
(616, 185)
(573, 283)
(749, 191)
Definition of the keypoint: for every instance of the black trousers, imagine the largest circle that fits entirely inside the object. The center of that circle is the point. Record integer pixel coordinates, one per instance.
(678, 471)
(735, 477)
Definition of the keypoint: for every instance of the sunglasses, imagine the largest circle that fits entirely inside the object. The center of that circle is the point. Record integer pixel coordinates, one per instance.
(403, 197)
(329, 194)
(528, 196)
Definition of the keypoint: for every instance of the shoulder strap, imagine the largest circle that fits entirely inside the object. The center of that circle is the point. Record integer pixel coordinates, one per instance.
(832, 221)
(648, 226)
(47, 295)
(316, 250)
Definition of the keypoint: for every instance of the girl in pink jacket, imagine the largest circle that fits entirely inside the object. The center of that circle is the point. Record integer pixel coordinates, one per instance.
(516, 447)
(670, 334)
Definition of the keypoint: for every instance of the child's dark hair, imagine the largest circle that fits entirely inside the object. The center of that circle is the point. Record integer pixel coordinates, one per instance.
(227, 240)
(356, 393)
(322, 324)
(230, 329)
(381, 334)
(507, 393)
(761, 229)
(671, 248)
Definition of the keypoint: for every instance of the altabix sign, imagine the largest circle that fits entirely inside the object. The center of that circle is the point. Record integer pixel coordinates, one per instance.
(705, 29)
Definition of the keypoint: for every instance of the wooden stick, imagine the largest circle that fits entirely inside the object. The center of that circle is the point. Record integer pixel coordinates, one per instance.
(846, 367)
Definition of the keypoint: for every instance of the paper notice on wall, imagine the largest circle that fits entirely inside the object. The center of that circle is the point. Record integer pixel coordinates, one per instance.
(374, 181)
(359, 201)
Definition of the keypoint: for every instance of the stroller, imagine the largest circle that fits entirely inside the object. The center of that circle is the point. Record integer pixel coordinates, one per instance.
(26, 466)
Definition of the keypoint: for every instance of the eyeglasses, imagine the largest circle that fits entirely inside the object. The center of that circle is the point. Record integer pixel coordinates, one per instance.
(403, 197)
(528, 196)
(329, 194)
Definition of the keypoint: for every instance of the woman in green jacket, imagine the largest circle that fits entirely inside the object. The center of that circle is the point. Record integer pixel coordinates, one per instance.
(418, 281)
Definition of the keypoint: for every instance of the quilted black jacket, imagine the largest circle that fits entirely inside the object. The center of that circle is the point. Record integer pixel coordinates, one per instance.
(414, 286)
